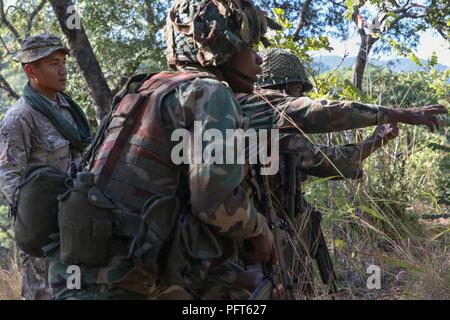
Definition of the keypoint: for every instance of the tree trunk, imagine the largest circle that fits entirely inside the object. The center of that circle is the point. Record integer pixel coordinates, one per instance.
(86, 59)
(367, 42)
(4, 85)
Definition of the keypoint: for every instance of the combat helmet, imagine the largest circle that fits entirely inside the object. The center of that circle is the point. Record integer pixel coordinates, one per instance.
(280, 67)
(210, 32)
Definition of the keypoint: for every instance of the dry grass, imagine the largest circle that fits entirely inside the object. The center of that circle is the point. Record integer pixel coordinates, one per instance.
(10, 283)
(415, 266)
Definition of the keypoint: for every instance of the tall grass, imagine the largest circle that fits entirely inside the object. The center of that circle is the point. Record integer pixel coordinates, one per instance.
(378, 221)
(10, 280)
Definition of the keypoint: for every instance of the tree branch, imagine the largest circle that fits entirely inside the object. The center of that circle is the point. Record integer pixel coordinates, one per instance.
(6, 231)
(5, 45)
(32, 16)
(6, 87)
(302, 19)
(86, 59)
(5, 21)
(443, 33)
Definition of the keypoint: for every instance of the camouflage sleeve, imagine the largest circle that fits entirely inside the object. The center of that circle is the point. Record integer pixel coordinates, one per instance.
(15, 144)
(217, 198)
(328, 116)
(343, 161)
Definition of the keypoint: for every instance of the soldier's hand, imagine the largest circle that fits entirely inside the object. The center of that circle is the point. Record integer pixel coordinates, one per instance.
(248, 280)
(419, 116)
(278, 293)
(386, 132)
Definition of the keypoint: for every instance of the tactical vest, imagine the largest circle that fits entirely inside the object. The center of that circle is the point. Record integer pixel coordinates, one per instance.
(132, 190)
(143, 167)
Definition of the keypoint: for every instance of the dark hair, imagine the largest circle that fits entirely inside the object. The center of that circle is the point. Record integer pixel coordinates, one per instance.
(35, 63)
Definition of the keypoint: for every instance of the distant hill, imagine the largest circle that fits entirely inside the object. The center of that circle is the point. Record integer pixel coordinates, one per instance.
(397, 65)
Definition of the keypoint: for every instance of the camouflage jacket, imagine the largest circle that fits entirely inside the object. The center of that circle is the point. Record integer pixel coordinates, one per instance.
(291, 114)
(269, 108)
(27, 138)
(215, 193)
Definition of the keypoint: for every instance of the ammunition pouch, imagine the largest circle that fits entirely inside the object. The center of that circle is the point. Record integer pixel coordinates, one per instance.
(36, 210)
(89, 222)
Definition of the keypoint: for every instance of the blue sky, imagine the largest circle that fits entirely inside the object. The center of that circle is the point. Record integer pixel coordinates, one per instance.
(428, 43)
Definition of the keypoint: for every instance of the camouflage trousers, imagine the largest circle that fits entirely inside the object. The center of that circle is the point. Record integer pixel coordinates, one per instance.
(34, 273)
(121, 281)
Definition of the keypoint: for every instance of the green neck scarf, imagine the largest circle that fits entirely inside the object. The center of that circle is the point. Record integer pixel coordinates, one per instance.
(79, 137)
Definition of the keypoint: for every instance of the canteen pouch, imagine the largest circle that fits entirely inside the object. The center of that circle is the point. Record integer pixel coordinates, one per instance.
(86, 223)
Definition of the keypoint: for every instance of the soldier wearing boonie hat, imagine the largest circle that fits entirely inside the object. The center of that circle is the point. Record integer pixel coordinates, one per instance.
(38, 47)
(44, 127)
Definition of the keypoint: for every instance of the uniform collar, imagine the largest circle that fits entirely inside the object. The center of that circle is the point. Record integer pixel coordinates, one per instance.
(60, 101)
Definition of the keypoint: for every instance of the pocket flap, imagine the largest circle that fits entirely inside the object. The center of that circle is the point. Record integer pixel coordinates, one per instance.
(97, 198)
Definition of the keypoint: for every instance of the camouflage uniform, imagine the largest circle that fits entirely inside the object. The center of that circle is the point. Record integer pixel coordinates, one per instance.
(301, 116)
(216, 198)
(27, 137)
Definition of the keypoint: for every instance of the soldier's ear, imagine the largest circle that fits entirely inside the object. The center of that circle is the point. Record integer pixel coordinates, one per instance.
(29, 70)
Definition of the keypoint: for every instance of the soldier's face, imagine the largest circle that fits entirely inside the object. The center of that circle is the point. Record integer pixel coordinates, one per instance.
(295, 89)
(49, 75)
(248, 65)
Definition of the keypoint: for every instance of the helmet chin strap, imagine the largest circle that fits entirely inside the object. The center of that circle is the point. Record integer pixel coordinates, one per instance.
(228, 70)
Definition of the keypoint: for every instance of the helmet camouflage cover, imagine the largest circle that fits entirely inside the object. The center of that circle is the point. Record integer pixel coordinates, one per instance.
(209, 32)
(281, 67)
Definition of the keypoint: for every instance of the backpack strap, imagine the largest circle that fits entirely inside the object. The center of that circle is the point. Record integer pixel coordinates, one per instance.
(134, 106)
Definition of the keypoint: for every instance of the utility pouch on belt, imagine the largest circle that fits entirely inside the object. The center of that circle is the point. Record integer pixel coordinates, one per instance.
(85, 223)
(36, 211)
(88, 220)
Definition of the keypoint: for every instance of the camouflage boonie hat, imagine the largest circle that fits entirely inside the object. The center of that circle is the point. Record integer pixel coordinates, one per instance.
(209, 32)
(40, 46)
(281, 67)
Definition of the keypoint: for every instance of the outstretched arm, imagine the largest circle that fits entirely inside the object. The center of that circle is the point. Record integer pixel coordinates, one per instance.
(324, 116)
(382, 135)
(340, 161)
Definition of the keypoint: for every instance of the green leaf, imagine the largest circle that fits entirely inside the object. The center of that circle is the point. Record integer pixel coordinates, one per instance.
(373, 213)
(414, 59)
(393, 15)
(433, 59)
(278, 12)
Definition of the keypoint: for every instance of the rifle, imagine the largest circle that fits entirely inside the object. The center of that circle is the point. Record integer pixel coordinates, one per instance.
(317, 249)
(273, 274)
